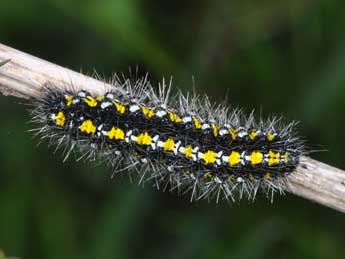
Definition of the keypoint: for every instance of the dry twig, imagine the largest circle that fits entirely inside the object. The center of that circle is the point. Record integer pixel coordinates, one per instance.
(24, 76)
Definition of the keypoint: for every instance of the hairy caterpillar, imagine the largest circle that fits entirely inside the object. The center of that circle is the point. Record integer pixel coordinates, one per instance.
(179, 142)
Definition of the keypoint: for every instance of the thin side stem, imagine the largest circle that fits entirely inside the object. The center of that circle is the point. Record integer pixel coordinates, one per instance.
(25, 76)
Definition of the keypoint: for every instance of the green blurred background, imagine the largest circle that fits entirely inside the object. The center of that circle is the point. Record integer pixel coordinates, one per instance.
(278, 57)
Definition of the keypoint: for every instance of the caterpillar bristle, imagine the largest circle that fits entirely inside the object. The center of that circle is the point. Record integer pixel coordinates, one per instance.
(181, 143)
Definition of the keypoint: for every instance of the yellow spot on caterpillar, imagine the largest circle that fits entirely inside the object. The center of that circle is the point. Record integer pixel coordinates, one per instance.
(69, 100)
(233, 133)
(188, 151)
(100, 98)
(252, 135)
(87, 127)
(209, 157)
(144, 139)
(215, 129)
(197, 123)
(274, 158)
(119, 107)
(207, 176)
(267, 176)
(116, 133)
(174, 117)
(231, 178)
(270, 136)
(234, 158)
(256, 157)
(60, 119)
(251, 177)
(169, 145)
(147, 111)
(286, 157)
(90, 101)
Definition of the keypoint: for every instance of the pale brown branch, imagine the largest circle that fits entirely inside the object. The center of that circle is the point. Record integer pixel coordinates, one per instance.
(24, 76)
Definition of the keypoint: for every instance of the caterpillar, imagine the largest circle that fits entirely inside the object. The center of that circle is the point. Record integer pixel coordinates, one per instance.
(178, 142)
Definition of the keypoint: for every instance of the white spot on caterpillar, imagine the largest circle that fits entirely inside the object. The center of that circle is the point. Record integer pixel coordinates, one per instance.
(110, 96)
(242, 158)
(205, 126)
(82, 94)
(161, 113)
(225, 159)
(218, 180)
(240, 179)
(154, 142)
(105, 104)
(242, 133)
(128, 136)
(134, 108)
(176, 147)
(186, 119)
(223, 132)
(144, 160)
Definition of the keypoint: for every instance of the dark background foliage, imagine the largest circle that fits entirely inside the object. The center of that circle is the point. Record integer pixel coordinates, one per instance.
(278, 57)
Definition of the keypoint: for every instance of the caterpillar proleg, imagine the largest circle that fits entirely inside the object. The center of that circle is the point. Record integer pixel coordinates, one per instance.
(181, 142)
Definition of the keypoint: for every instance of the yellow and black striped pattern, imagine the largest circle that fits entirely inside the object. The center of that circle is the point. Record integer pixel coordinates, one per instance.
(243, 153)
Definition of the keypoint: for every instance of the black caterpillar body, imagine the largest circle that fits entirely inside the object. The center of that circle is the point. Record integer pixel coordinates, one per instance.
(184, 141)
